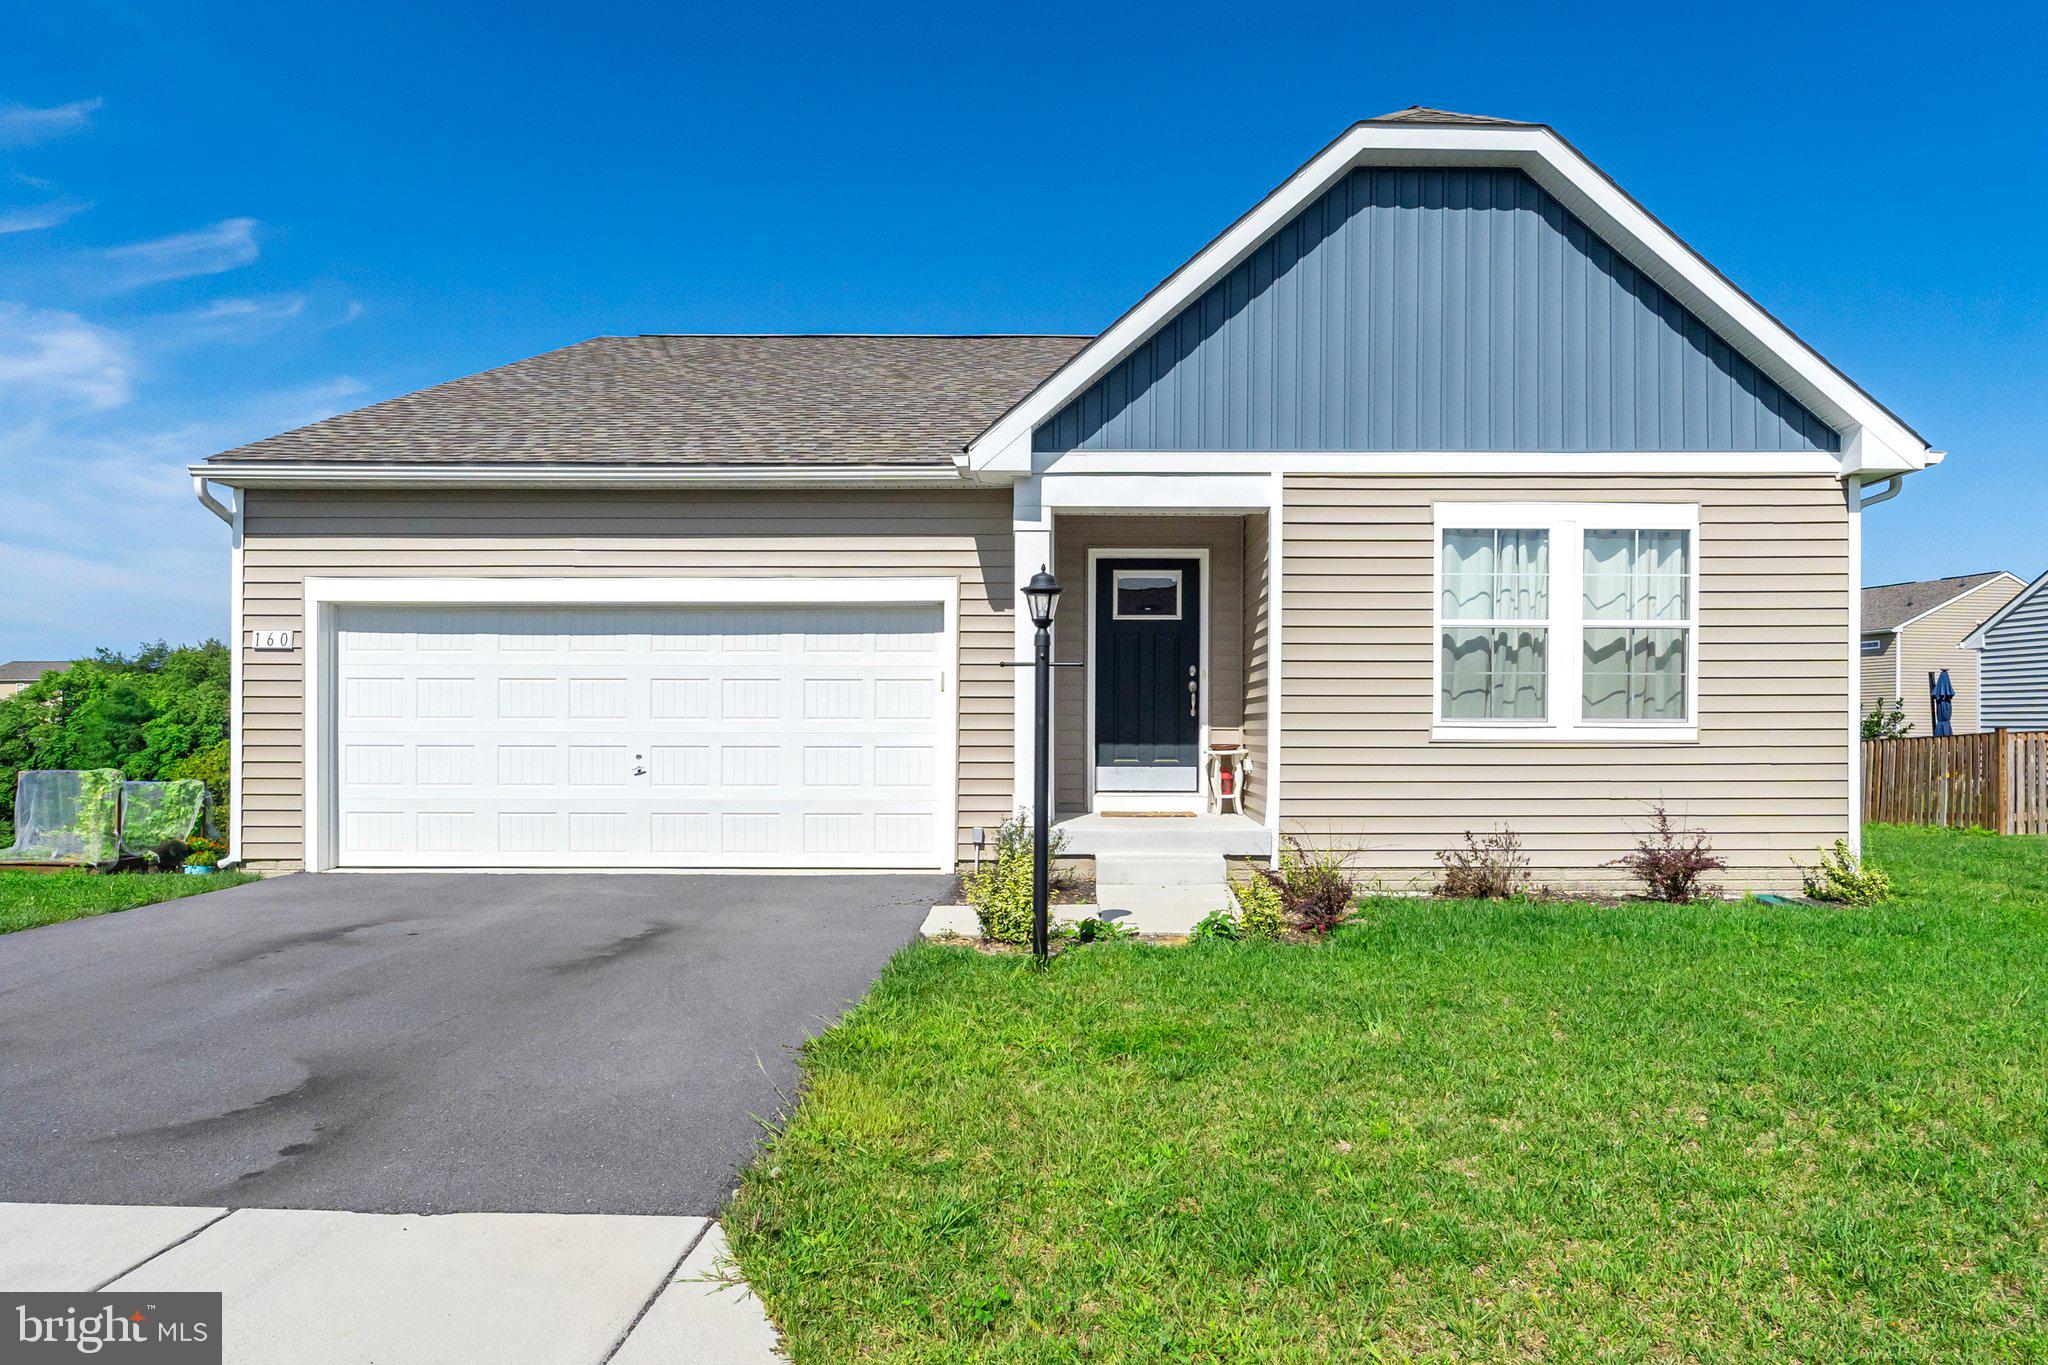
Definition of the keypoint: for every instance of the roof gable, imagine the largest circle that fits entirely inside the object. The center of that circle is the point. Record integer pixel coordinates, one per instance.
(1874, 442)
(1887, 606)
(1435, 309)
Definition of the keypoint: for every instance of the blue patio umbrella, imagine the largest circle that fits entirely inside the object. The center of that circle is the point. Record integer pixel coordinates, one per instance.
(1943, 693)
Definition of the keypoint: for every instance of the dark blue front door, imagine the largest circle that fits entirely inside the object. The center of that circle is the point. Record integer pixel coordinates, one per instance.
(1148, 641)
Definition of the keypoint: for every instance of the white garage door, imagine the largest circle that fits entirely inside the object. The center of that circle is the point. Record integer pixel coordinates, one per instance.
(741, 736)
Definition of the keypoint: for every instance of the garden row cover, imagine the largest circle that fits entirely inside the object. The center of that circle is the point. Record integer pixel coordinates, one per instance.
(92, 818)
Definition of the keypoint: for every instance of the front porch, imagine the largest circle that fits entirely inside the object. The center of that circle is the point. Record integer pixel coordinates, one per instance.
(1166, 616)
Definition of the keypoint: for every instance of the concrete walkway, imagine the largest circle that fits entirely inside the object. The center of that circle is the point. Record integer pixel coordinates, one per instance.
(326, 1288)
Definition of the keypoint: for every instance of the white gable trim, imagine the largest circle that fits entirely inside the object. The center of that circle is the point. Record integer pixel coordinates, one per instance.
(1975, 639)
(1873, 441)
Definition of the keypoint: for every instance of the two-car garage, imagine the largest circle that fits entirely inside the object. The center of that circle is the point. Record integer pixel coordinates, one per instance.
(772, 723)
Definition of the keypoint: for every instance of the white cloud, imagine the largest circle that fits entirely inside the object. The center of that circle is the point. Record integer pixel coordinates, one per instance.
(205, 251)
(21, 124)
(53, 361)
(36, 217)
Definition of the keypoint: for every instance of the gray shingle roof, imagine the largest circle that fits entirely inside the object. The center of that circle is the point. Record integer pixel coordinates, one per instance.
(696, 400)
(28, 670)
(1888, 605)
(1422, 113)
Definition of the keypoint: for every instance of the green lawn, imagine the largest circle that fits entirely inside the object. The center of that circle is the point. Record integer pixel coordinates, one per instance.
(29, 899)
(1456, 1132)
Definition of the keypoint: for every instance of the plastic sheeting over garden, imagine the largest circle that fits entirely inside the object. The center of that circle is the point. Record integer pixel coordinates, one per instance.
(92, 818)
(157, 813)
(67, 817)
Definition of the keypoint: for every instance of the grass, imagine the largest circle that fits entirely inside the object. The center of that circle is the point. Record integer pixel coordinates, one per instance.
(29, 899)
(1458, 1131)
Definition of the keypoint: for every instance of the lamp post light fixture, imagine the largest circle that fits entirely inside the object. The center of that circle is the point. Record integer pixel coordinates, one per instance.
(1042, 596)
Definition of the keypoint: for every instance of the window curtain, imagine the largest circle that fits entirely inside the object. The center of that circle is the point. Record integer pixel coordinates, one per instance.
(1495, 671)
(1636, 671)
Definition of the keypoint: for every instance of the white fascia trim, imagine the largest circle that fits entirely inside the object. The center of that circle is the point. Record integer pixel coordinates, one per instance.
(1873, 440)
(324, 595)
(1975, 639)
(568, 476)
(1156, 491)
(1408, 463)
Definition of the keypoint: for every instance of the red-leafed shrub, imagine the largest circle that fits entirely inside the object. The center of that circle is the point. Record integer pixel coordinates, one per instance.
(1670, 861)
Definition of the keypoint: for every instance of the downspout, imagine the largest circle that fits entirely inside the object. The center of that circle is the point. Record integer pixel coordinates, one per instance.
(227, 514)
(209, 501)
(1889, 491)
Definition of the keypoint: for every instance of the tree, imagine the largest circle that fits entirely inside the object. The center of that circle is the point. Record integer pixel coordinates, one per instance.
(160, 712)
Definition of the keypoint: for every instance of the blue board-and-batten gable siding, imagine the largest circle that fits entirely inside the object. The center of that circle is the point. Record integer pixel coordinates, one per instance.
(1458, 309)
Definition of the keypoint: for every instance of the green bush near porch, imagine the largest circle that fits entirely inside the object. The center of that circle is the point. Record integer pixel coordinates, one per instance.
(1455, 1130)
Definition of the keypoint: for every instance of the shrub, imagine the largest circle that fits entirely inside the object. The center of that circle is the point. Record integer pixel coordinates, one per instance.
(1260, 912)
(1001, 891)
(1316, 887)
(1842, 877)
(1486, 869)
(1001, 896)
(1886, 723)
(1669, 861)
(1218, 926)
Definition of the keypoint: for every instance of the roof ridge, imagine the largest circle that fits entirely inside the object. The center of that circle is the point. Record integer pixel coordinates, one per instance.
(1943, 578)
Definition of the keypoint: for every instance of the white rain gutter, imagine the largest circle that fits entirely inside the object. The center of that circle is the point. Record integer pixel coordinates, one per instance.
(566, 476)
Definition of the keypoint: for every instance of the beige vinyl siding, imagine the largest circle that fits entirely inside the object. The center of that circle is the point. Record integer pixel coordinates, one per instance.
(2015, 667)
(1258, 709)
(1768, 777)
(1073, 537)
(1879, 674)
(288, 537)
(1934, 642)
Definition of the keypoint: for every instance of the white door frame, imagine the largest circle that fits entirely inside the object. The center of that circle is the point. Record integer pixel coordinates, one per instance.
(324, 597)
(1150, 801)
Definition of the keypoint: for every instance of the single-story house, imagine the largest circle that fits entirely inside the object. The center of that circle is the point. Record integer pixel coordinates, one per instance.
(1446, 481)
(19, 673)
(2012, 651)
(1912, 632)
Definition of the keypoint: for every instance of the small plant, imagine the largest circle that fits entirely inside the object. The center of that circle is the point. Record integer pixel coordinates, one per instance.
(1884, 722)
(1218, 926)
(1669, 861)
(1001, 891)
(1092, 930)
(1491, 868)
(1316, 887)
(1842, 877)
(1261, 915)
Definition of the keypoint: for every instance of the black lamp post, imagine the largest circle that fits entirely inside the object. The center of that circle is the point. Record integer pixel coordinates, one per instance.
(1042, 596)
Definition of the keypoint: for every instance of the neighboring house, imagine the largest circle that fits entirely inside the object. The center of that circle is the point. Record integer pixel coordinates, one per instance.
(2012, 649)
(20, 673)
(1912, 631)
(1446, 478)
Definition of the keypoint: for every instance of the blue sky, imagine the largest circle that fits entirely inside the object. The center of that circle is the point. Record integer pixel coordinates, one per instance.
(219, 222)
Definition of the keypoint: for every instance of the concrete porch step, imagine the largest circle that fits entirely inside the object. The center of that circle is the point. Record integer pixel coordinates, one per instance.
(1194, 900)
(1159, 869)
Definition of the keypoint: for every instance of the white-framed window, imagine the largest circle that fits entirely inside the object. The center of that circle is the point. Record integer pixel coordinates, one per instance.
(1566, 621)
(1145, 594)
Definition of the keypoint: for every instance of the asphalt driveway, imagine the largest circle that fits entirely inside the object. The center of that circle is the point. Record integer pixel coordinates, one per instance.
(428, 1044)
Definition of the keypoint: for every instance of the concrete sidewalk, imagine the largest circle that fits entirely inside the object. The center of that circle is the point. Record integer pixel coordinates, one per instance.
(327, 1288)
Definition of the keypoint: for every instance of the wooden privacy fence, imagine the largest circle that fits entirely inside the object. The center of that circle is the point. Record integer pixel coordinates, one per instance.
(1996, 781)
